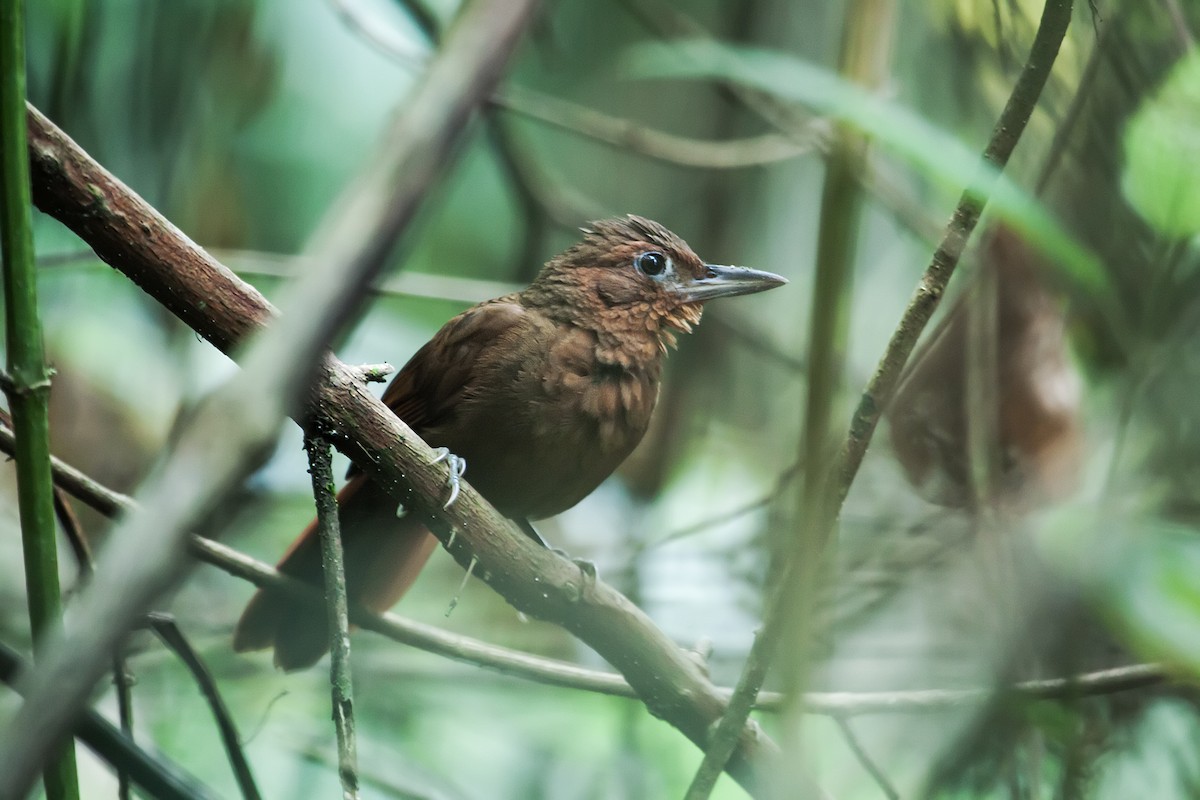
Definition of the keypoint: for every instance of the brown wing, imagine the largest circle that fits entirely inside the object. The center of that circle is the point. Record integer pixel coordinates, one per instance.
(427, 390)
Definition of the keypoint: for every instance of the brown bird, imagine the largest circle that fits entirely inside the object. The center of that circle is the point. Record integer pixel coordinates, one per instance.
(1035, 388)
(543, 393)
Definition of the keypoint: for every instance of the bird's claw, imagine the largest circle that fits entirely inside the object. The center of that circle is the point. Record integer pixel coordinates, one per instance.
(590, 575)
(457, 467)
(588, 568)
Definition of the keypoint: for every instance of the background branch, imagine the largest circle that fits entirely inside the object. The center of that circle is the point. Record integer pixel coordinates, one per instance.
(168, 632)
(624, 134)
(630, 136)
(873, 769)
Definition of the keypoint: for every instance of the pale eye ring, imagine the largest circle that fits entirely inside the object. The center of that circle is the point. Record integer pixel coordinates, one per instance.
(652, 263)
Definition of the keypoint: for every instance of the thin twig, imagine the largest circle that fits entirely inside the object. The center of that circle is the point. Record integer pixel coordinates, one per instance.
(82, 549)
(878, 178)
(865, 53)
(123, 687)
(543, 192)
(785, 477)
(625, 134)
(408, 284)
(72, 528)
(864, 758)
(630, 136)
(756, 342)
(320, 466)
(168, 632)
(122, 677)
(161, 779)
(667, 21)
(533, 210)
(279, 265)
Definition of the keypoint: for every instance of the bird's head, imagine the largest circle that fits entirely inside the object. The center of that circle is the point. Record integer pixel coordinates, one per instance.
(634, 272)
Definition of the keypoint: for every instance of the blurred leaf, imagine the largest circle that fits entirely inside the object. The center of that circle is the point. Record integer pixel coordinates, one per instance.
(939, 155)
(1142, 572)
(1154, 593)
(1162, 153)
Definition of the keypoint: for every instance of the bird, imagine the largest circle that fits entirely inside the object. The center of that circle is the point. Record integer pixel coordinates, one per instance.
(542, 393)
(1036, 391)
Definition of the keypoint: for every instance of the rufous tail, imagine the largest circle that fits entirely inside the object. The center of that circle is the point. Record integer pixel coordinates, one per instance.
(383, 556)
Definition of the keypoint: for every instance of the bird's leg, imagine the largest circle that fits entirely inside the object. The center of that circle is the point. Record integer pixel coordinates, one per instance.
(457, 467)
(701, 652)
(527, 528)
(586, 567)
(588, 575)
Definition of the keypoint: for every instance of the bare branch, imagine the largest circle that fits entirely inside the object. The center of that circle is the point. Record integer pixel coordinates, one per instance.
(169, 634)
(864, 758)
(635, 137)
(1056, 16)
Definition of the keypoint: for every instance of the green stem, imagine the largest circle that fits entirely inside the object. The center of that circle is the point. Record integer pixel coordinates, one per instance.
(320, 465)
(28, 396)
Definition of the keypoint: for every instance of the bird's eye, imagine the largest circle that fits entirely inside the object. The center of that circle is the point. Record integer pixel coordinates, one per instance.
(652, 263)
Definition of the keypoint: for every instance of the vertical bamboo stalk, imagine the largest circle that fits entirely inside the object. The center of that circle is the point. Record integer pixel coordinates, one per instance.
(29, 392)
(865, 58)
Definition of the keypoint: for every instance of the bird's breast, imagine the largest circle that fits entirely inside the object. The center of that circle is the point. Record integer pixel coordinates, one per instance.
(544, 429)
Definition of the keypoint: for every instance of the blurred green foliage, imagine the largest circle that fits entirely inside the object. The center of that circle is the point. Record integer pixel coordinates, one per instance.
(1161, 153)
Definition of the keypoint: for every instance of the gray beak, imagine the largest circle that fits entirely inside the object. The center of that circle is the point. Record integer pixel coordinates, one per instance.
(720, 281)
